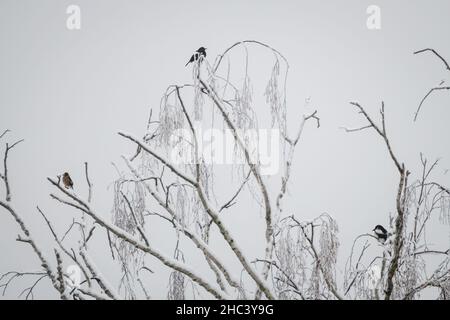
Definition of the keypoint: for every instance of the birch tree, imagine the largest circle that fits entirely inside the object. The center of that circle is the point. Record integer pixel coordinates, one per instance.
(172, 179)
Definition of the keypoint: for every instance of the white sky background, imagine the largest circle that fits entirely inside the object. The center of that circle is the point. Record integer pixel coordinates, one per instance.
(68, 93)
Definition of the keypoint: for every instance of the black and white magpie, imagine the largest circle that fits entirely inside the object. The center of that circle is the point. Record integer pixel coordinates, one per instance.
(381, 233)
(200, 53)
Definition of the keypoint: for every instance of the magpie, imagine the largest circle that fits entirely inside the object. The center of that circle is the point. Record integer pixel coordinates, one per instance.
(381, 233)
(67, 181)
(200, 53)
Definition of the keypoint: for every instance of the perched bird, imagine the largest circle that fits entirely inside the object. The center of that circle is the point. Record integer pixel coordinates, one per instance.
(200, 53)
(67, 181)
(381, 233)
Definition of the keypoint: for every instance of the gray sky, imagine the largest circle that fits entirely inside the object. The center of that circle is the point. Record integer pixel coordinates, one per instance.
(67, 93)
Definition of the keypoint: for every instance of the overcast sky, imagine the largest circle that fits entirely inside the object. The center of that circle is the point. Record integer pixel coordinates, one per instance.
(68, 93)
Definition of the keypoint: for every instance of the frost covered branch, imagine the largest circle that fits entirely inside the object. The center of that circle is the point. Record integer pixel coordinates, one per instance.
(4, 176)
(181, 267)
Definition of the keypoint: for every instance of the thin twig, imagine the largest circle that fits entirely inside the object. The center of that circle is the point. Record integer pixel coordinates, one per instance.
(437, 54)
(88, 181)
(5, 169)
(425, 97)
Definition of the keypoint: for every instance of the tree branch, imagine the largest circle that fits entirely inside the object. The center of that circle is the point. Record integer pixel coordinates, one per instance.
(5, 168)
(436, 54)
(425, 97)
(173, 264)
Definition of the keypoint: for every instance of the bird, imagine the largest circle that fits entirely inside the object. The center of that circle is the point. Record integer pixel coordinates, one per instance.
(381, 233)
(67, 181)
(200, 53)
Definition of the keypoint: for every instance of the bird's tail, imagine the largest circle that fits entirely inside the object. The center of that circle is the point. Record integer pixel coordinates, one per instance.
(187, 63)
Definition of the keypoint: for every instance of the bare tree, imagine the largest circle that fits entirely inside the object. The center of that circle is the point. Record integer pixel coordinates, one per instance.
(171, 180)
(405, 266)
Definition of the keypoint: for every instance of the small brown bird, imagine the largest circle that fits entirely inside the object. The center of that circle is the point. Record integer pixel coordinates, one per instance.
(67, 181)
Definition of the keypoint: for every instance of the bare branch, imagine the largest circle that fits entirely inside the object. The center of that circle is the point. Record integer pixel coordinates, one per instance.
(231, 202)
(160, 158)
(14, 275)
(290, 282)
(90, 233)
(287, 173)
(217, 64)
(447, 252)
(425, 97)
(30, 289)
(356, 129)
(314, 116)
(4, 133)
(358, 272)
(446, 190)
(435, 53)
(381, 132)
(5, 168)
(88, 182)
